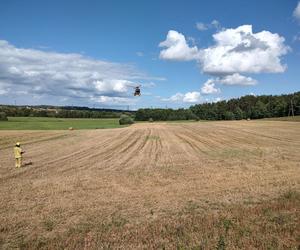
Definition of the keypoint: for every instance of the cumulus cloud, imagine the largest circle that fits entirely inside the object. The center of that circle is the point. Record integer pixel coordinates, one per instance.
(189, 97)
(235, 52)
(242, 51)
(209, 88)
(236, 79)
(177, 48)
(192, 97)
(111, 86)
(67, 76)
(296, 12)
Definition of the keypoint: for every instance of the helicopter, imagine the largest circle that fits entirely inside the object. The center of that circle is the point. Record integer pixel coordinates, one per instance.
(137, 91)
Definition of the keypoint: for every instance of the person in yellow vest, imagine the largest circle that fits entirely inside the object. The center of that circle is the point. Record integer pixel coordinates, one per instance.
(18, 154)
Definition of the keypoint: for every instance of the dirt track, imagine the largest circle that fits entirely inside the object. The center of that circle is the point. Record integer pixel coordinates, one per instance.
(146, 167)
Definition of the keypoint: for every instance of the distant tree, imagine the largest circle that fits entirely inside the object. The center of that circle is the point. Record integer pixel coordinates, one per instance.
(125, 120)
(280, 108)
(229, 115)
(3, 116)
(239, 114)
(259, 110)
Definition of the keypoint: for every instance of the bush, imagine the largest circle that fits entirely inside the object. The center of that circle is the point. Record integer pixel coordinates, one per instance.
(150, 119)
(125, 119)
(3, 116)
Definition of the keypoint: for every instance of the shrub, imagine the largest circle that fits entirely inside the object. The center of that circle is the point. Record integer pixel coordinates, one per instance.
(3, 116)
(150, 119)
(125, 119)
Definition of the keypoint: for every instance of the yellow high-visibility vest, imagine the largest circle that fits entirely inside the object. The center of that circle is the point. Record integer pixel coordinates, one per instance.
(18, 152)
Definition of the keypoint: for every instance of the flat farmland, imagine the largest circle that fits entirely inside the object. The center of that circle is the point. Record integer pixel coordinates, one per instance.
(51, 123)
(201, 185)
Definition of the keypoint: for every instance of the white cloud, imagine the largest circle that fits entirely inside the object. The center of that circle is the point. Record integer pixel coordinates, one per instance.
(3, 91)
(174, 98)
(189, 97)
(216, 24)
(236, 79)
(191, 40)
(209, 88)
(62, 76)
(242, 51)
(177, 48)
(296, 38)
(205, 26)
(218, 99)
(149, 85)
(296, 12)
(192, 97)
(113, 100)
(201, 26)
(112, 86)
(235, 52)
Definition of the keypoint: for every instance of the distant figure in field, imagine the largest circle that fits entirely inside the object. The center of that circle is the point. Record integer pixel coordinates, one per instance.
(18, 154)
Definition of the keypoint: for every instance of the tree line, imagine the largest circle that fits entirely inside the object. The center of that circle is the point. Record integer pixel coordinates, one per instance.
(67, 112)
(252, 107)
(164, 114)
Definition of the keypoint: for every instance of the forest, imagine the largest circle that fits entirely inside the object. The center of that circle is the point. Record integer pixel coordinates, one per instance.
(246, 107)
(60, 112)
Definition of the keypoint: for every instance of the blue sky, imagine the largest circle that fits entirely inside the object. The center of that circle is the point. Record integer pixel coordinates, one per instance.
(91, 53)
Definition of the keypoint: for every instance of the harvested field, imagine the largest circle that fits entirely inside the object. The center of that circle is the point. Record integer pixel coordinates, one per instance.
(158, 185)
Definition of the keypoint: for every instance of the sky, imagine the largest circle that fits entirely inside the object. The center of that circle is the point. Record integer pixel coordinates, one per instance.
(92, 53)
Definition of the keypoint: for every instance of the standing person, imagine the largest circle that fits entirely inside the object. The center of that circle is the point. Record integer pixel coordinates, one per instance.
(18, 154)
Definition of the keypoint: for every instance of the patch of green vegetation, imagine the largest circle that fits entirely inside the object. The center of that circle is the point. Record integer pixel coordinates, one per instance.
(221, 243)
(125, 119)
(291, 195)
(152, 137)
(48, 224)
(47, 123)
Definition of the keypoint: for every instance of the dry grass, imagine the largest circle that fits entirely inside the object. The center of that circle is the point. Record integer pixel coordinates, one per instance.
(207, 185)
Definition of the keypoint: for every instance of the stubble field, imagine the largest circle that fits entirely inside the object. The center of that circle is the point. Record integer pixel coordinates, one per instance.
(212, 185)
